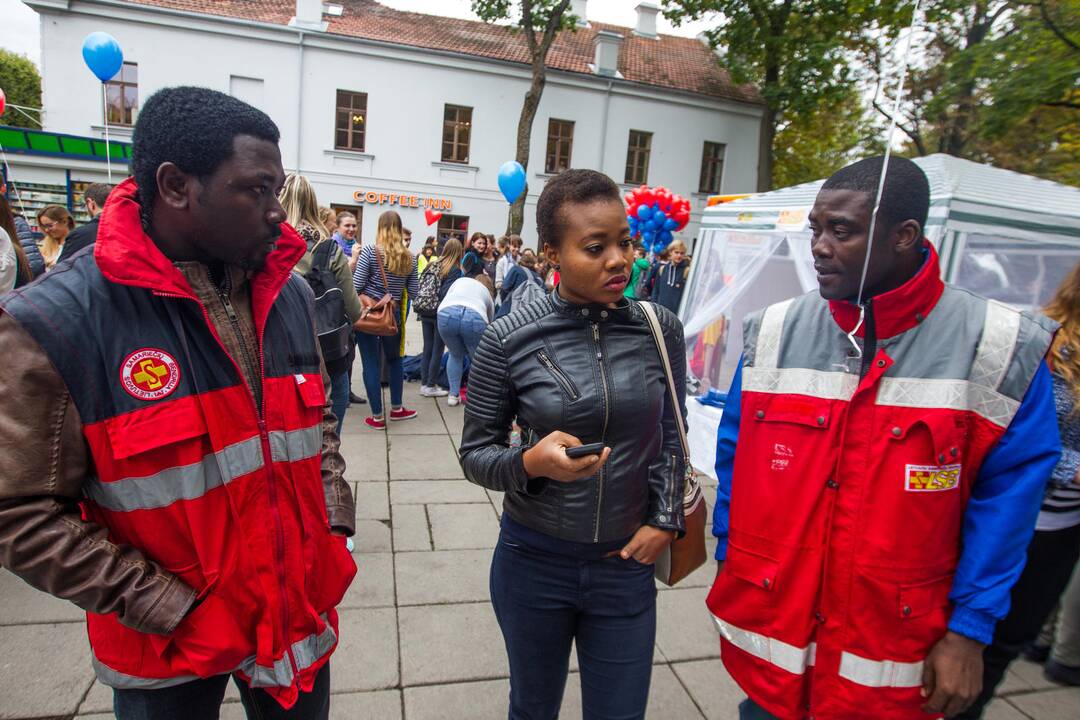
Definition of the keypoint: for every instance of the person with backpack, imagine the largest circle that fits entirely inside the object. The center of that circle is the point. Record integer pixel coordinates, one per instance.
(463, 314)
(435, 281)
(325, 267)
(522, 285)
(637, 288)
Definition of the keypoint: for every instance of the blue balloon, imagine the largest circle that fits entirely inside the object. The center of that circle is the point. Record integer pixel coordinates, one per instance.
(651, 226)
(511, 180)
(666, 236)
(644, 212)
(648, 235)
(631, 221)
(659, 216)
(102, 55)
(671, 224)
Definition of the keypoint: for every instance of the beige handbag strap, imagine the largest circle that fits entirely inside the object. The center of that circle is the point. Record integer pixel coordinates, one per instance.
(658, 337)
(385, 282)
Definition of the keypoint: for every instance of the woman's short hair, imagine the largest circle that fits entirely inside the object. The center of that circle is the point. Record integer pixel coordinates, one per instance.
(677, 245)
(570, 187)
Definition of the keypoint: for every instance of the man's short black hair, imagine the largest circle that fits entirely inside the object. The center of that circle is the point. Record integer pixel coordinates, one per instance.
(194, 128)
(906, 195)
(570, 186)
(98, 192)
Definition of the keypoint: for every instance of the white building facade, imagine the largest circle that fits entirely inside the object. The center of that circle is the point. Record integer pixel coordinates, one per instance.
(377, 124)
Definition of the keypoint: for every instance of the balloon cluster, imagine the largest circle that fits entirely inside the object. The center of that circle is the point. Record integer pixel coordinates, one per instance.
(655, 214)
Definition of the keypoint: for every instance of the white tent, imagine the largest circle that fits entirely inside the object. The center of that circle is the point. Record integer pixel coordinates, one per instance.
(1005, 235)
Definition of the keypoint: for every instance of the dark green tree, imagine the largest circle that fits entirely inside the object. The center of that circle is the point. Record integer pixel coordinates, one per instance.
(539, 21)
(797, 52)
(21, 83)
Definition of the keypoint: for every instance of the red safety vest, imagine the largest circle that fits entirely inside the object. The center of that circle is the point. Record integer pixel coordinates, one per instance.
(227, 496)
(848, 495)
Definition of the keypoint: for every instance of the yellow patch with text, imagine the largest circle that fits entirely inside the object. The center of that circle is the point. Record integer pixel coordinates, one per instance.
(931, 478)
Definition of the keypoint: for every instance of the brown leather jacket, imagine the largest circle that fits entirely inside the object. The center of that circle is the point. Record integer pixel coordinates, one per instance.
(44, 460)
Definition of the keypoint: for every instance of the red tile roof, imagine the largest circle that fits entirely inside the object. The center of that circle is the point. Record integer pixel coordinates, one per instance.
(667, 61)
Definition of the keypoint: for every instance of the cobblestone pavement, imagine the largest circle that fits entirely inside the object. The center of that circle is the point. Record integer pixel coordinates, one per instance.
(418, 637)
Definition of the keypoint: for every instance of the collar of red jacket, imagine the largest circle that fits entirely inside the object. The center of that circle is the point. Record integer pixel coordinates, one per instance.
(901, 309)
(125, 254)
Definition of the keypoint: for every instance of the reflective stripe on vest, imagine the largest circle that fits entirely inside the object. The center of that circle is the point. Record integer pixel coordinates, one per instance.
(189, 482)
(306, 652)
(787, 657)
(880, 673)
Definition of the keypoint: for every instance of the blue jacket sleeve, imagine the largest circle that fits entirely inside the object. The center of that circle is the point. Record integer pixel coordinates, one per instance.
(1000, 516)
(726, 436)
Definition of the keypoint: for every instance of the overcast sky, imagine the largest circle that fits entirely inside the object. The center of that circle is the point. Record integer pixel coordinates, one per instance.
(19, 24)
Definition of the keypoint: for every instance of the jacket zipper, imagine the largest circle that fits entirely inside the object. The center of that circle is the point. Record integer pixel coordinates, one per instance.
(603, 433)
(560, 376)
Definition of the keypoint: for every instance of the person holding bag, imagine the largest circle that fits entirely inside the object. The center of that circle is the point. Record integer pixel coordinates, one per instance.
(383, 275)
(580, 535)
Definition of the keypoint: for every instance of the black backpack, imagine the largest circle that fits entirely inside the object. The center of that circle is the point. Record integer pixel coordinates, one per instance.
(331, 323)
(427, 296)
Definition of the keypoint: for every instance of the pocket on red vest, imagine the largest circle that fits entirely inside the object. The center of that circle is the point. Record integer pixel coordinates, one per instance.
(898, 614)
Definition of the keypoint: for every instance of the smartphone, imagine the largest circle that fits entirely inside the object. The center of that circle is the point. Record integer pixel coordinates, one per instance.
(585, 450)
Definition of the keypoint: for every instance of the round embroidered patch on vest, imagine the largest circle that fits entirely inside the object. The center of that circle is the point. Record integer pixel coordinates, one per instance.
(149, 374)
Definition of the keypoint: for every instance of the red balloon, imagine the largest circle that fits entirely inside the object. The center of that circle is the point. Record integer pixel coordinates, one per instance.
(3, 101)
(431, 216)
(629, 199)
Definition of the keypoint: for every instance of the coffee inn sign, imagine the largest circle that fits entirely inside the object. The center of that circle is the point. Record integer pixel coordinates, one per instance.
(374, 197)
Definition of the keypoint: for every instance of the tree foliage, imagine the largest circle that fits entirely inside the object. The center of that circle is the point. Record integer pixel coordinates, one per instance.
(21, 83)
(796, 51)
(539, 21)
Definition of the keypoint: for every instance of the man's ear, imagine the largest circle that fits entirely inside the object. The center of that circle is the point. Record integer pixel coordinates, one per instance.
(906, 237)
(551, 253)
(175, 187)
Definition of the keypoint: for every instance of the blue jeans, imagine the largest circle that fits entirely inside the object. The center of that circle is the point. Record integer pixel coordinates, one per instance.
(750, 710)
(201, 700)
(461, 330)
(431, 359)
(370, 346)
(544, 601)
(339, 397)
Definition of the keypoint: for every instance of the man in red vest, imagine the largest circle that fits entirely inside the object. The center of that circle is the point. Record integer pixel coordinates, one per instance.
(169, 460)
(880, 466)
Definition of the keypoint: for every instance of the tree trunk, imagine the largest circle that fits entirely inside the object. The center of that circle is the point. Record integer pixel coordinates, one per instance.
(765, 150)
(516, 217)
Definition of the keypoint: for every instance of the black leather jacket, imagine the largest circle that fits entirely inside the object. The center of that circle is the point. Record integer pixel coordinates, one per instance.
(593, 372)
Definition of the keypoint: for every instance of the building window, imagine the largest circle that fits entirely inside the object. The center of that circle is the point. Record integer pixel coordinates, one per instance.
(457, 127)
(712, 168)
(637, 157)
(351, 126)
(453, 226)
(122, 96)
(560, 143)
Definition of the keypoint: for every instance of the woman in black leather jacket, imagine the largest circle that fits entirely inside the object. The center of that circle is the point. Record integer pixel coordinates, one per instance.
(579, 536)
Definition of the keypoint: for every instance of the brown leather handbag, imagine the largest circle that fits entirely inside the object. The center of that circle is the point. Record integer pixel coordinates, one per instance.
(686, 554)
(378, 317)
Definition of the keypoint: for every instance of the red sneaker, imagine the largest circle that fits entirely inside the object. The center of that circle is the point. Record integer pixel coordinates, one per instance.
(403, 414)
(375, 423)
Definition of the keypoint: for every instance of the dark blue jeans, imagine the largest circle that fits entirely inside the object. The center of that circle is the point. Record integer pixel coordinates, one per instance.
(339, 397)
(201, 700)
(545, 600)
(370, 346)
(431, 359)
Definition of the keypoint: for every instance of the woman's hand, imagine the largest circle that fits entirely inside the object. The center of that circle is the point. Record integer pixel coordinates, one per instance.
(647, 544)
(548, 459)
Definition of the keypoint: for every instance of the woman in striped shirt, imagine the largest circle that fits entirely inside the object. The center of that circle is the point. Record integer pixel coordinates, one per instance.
(401, 277)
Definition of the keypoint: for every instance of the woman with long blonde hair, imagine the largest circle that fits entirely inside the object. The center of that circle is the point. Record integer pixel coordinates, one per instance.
(1055, 546)
(302, 212)
(449, 270)
(389, 256)
(55, 222)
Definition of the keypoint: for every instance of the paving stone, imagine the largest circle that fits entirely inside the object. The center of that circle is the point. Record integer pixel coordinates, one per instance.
(1001, 709)
(381, 705)
(411, 528)
(21, 604)
(439, 643)
(96, 716)
(683, 628)
(372, 501)
(484, 700)
(443, 576)
(496, 498)
(421, 492)
(98, 700)
(44, 670)
(1024, 675)
(372, 536)
(364, 453)
(454, 417)
(427, 422)
(1061, 704)
(367, 654)
(373, 585)
(419, 457)
(711, 687)
(463, 526)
